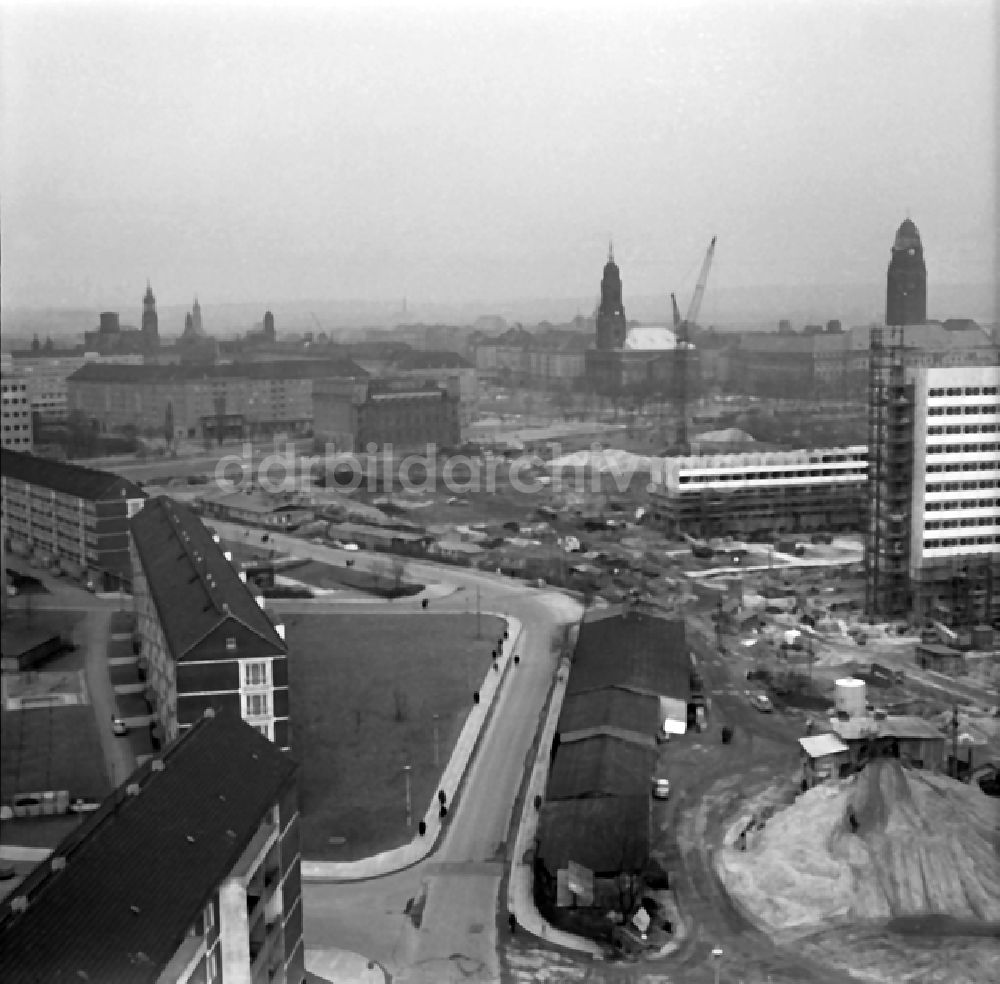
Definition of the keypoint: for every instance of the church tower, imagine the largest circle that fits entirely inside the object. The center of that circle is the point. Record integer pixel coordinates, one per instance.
(196, 318)
(150, 321)
(906, 288)
(611, 325)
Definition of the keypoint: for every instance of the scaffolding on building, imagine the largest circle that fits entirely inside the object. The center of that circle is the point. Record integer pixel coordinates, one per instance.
(890, 477)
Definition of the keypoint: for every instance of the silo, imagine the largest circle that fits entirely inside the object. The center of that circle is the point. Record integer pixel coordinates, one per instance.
(850, 697)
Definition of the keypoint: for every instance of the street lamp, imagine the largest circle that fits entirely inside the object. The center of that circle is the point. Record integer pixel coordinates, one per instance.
(717, 961)
(436, 763)
(409, 818)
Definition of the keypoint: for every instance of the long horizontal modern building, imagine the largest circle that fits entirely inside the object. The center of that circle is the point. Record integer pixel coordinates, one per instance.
(70, 518)
(188, 873)
(237, 400)
(206, 642)
(774, 491)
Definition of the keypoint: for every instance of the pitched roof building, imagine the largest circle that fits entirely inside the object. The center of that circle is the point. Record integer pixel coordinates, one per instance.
(187, 872)
(205, 639)
(68, 517)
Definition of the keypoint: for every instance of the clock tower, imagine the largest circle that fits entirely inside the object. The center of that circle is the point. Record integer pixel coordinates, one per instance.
(906, 289)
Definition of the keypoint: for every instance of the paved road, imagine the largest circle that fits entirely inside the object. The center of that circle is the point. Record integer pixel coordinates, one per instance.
(456, 889)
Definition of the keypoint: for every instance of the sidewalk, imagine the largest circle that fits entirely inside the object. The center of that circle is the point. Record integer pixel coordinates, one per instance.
(520, 894)
(420, 847)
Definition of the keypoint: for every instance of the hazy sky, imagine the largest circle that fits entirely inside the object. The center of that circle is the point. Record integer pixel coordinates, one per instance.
(447, 152)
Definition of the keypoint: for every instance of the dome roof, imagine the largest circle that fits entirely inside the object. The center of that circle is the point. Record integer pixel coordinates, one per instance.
(649, 338)
(907, 235)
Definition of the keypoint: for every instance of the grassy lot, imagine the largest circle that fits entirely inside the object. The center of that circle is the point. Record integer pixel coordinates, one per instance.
(51, 748)
(364, 690)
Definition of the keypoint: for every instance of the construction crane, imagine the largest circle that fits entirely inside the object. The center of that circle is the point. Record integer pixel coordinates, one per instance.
(682, 330)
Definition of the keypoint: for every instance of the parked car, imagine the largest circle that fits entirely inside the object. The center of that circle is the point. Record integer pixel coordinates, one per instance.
(661, 789)
(762, 703)
(119, 727)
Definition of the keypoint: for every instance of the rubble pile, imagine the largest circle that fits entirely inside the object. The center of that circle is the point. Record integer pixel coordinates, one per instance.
(887, 842)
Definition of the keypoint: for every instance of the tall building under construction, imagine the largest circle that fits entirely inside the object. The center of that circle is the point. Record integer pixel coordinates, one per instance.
(932, 549)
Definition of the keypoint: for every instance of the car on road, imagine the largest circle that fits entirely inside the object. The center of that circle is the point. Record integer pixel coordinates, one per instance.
(762, 703)
(119, 727)
(661, 789)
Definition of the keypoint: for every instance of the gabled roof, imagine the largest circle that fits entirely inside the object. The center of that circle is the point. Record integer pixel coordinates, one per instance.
(601, 766)
(195, 589)
(141, 868)
(606, 835)
(633, 651)
(609, 708)
(69, 479)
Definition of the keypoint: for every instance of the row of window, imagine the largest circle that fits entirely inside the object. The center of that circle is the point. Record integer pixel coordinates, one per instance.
(951, 524)
(963, 448)
(966, 391)
(958, 486)
(969, 411)
(961, 541)
(757, 476)
(966, 429)
(960, 504)
(965, 466)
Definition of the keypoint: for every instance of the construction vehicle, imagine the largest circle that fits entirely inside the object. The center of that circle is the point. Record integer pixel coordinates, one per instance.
(682, 330)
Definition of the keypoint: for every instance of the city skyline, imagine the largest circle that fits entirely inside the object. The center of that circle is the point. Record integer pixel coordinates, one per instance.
(452, 156)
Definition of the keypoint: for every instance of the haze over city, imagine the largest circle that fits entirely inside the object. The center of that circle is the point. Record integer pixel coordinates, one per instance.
(251, 153)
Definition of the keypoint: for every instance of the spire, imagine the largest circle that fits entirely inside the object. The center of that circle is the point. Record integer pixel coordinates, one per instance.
(611, 251)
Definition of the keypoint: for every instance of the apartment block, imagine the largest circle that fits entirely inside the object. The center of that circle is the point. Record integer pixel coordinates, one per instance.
(231, 401)
(188, 872)
(205, 641)
(771, 491)
(71, 519)
(15, 411)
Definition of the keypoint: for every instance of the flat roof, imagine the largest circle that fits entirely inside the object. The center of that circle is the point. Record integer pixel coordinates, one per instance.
(816, 746)
(903, 726)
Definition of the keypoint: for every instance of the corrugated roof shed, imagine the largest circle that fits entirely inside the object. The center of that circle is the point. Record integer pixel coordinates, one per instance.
(601, 766)
(610, 708)
(196, 590)
(61, 476)
(606, 835)
(634, 651)
(137, 876)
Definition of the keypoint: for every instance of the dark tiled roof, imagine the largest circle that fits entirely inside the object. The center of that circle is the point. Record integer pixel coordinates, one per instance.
(601, 766)
(606, 835)
(634, 651)
(279, 369)
(140, 869)
(196, 590)
(87, 483)
(431, 360)
(611, 708)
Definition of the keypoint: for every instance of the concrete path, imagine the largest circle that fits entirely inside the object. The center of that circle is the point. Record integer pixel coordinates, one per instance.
(119, 761)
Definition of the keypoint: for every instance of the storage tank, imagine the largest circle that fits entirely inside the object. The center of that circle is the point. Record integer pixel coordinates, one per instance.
(982, 638)
(850, 696)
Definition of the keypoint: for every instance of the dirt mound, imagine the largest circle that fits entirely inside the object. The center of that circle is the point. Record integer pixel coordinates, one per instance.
(920, 844)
